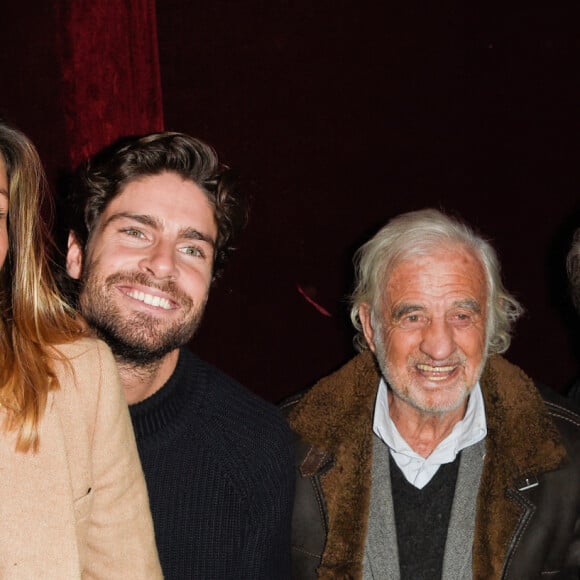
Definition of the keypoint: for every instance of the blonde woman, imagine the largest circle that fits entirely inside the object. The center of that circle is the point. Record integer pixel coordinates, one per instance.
(73, 502)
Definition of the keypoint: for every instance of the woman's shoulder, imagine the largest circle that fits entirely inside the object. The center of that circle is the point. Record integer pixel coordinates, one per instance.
(85, 363)
(81, 348)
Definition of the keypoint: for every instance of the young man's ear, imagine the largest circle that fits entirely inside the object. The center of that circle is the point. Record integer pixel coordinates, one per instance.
(74, 257)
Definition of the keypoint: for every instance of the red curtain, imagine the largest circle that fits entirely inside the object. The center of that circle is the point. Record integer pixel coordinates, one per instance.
(110, 69)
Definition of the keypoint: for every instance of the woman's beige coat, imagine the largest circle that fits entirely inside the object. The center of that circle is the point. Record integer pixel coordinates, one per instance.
(77, 508)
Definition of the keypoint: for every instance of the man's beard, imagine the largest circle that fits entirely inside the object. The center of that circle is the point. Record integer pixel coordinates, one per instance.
(136, 338)
(404, 392)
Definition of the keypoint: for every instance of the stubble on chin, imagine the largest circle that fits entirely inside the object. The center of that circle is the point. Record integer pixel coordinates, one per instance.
(137, 339)
(408, 389)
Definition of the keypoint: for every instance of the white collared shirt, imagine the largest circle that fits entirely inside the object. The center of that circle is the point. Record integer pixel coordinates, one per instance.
(419, 470)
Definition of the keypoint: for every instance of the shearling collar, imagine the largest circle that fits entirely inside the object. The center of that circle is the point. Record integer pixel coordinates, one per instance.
(336, 416)
(522, 441)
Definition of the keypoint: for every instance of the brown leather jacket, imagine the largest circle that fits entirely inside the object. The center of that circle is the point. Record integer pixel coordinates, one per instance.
(528, 506)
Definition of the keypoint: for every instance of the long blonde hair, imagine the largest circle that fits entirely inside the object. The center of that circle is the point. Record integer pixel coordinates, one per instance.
(33, 315)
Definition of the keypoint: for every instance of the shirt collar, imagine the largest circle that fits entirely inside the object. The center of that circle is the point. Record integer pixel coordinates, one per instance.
(419, 470)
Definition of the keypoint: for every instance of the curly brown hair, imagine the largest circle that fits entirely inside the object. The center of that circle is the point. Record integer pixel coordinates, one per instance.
(100, 179)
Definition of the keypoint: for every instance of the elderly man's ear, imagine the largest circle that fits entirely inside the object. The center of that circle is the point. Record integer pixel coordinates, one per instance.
(364, 313)
(74, 257)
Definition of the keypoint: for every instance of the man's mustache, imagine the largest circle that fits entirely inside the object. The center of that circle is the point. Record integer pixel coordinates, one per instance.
(168, 286)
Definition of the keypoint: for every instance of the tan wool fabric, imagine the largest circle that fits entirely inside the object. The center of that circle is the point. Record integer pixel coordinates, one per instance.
(78, 508)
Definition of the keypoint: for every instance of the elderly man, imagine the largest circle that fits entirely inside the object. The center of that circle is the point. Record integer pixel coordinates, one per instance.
(429, 455)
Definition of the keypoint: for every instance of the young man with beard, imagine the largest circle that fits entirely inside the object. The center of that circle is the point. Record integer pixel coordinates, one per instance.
(429, 455)
(152, 220)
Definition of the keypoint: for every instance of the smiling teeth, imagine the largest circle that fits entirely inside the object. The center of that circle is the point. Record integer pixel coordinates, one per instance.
(151, 300)
(430, 369)
(435, 373)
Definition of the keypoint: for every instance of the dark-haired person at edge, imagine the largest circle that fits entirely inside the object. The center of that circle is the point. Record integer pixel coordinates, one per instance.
(429, 455)
(152, 221)
(573, 268)
(73, 500)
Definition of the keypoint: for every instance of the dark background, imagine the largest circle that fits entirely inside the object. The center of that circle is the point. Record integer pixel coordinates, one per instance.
(338, 116)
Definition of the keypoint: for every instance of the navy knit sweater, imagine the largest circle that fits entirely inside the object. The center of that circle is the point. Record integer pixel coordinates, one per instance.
(218, 462)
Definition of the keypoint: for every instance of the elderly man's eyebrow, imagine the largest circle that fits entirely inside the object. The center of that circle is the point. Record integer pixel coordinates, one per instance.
(187, 233)
(469, 304)
(400, 310)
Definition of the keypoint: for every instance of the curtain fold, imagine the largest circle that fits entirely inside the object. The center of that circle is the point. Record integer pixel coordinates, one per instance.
(110, 69)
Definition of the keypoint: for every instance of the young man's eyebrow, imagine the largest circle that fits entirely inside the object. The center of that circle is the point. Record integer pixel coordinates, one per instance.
(144, 219)
(151, 221)
(193, 234)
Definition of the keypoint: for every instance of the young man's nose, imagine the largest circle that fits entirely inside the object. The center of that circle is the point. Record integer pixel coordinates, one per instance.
(160, 261)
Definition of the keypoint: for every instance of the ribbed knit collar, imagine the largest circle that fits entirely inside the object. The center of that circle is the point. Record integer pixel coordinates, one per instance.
(161, 413)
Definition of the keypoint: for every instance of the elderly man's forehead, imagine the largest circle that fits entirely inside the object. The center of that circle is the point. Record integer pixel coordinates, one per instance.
(449, 262)
(419, 252)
